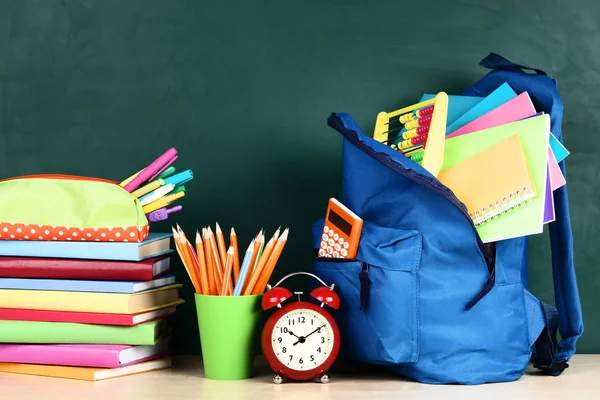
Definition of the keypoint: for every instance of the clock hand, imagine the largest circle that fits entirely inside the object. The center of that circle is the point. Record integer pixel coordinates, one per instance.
(293, 334)
(302, 339)
(318, 329)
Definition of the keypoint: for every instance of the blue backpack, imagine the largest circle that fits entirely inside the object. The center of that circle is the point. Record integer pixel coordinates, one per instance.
(424, 296)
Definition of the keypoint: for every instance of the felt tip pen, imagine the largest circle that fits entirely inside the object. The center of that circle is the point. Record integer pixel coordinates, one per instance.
(162, 202)
(157, 194)
(162, 213)
(155, 168)
(148, 188)
(180, 178)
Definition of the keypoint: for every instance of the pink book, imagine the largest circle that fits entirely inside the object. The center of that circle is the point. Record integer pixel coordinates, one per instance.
(515, 109)
(82, 355)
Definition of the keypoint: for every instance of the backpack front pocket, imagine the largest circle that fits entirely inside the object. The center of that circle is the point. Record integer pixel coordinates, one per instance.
(379, 314)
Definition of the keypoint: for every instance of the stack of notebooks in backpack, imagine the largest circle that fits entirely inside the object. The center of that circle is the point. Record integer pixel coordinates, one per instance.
(502, 162)
(86, 310)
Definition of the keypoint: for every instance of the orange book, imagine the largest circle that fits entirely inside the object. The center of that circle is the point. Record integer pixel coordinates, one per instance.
(493, 181)
(84, 373)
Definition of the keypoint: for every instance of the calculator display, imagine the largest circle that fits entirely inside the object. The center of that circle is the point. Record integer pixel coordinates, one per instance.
(340, 223)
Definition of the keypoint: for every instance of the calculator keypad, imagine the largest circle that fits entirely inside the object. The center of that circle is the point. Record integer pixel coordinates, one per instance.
(332, 244)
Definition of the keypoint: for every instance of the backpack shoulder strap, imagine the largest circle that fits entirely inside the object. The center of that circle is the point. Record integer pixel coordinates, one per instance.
(550, 356)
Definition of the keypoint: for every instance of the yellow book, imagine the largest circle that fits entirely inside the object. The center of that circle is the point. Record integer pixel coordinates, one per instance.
(84, 373)
(492, 182)
(108, 303)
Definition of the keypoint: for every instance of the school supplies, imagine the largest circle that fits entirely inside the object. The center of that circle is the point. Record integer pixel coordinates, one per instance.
(559, 150)
(62, 332)
(162, 213)
(67, 268)
(82, 355)
(162, 202)
(515, 109)
(83, 373)
(210, 276)
(533, 133)
(492, 182)
(155, 245)
(236, 258)
(549, 212)
(341, 232)
(167, 172)
(59, 208)
(148, 188)
(73, 285)
(501, 95)
(108, 303)
(557, 179)
(180, 178)
(427, 126)
(152, 170)
(156, 194)
(19, 314)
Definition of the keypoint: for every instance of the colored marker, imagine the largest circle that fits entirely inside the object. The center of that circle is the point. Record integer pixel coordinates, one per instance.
(162, 202)
(167, 172)
(155, 168)
(157, 194)
(180, 178)
(162, 214)
(148, 188)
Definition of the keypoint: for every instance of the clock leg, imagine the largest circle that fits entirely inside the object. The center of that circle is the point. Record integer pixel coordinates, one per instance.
(324, 378)
(277, 379)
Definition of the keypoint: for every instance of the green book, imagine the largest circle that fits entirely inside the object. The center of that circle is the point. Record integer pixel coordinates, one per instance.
(65, 332)
(527, 219)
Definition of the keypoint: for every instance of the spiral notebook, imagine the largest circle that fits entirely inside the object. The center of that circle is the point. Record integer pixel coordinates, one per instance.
(492, 182)
(496, 175)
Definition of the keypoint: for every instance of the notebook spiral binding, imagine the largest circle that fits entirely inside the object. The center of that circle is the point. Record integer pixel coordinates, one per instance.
(507, 204)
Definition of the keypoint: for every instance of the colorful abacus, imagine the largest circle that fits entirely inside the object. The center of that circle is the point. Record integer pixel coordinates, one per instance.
(425, 125)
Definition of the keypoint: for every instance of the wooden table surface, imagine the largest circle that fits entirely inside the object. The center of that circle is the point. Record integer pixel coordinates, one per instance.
(185, 380)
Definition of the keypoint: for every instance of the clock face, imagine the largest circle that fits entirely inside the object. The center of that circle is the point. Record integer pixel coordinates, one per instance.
(302, 339)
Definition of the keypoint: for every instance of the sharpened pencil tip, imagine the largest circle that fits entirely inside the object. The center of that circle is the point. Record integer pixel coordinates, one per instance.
(230, 251)
(284, 235)
(218, 229)
(175, 234)
(232, 232)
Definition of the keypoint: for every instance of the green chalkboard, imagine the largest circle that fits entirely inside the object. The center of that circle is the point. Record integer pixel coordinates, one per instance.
(243, 89)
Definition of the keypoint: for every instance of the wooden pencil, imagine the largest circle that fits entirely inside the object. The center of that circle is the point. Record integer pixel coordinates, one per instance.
(257, 245)
(268, 269)
(204, 283)
(259, 268)
(187, 250)
(221, 245)
(236, 254)
(210, 267)
(218, 268)
(227, 285)
(184, 261)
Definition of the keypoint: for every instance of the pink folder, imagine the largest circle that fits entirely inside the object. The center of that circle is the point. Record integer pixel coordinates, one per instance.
(81, 355)
(513, 110)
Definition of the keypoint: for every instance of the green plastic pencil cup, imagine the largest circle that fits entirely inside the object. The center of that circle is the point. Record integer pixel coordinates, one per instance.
(228, 327)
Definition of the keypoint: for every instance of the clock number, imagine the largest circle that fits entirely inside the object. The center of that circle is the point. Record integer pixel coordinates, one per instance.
(318, 350)
(301, 320)
(283, 330)
(312, 358)
(279, 339)
(291, 322)
(301, 361)
(291, 358)
(284, 350)
(318, 330)
(312, 321)
(322, 340)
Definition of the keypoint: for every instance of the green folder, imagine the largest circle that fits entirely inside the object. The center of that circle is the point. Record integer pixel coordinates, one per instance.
(527, 219)
(65, 332)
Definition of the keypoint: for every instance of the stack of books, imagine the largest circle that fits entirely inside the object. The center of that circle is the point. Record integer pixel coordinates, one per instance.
(86, 310)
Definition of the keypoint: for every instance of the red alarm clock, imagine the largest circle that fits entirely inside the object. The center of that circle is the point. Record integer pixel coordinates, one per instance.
(300, 340)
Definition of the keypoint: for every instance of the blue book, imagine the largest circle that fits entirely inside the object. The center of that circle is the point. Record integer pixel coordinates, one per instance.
(157, 244)
(457, 105)
(75, 285)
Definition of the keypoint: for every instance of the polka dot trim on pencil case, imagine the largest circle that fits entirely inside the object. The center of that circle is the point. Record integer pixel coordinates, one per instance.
(14, 231)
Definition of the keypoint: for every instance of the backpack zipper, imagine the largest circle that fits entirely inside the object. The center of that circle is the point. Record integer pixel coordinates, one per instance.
(60, 177)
